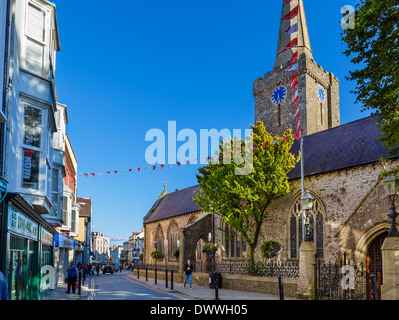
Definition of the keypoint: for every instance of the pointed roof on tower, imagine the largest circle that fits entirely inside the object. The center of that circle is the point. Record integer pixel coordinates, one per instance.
(292, 12)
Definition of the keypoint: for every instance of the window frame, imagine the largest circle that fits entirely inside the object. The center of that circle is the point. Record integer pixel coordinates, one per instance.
(230, 244)
(39, 150)
(42, 43)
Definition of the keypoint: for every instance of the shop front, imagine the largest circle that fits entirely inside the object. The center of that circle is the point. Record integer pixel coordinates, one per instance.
(79, 252)
(46, 255)
(22, 248)
(64, 255)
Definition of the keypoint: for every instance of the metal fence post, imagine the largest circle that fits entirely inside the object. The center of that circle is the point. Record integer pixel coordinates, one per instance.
(146, 274)
(80, 282)
(374, 286)
(166, 278)
(171, 279)
(280, 287)
(216, 285)
(138, 272)
(155, 275)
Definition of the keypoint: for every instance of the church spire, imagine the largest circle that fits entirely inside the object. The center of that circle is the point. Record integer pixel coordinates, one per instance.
(284, 56)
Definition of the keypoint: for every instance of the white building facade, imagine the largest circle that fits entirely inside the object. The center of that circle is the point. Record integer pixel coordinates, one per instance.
(100, 246)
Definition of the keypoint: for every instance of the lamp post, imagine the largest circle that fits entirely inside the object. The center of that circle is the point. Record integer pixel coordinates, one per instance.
(391, 186)
(307, 204)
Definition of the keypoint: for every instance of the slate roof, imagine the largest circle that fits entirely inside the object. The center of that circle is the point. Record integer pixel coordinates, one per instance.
(349, 145)
(173, 204)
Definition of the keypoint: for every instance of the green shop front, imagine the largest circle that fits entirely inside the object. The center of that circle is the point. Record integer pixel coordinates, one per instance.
(28, 242)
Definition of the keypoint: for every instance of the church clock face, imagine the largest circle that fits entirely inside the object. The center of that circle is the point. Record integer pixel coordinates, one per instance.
(279, 94)
(321, 94)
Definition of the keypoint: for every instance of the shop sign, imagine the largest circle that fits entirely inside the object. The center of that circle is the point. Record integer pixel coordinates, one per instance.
(79, 246)
(63, 242)
(21, 225)
(46, 236)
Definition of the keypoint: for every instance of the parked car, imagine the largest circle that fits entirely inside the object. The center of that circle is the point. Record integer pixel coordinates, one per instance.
(108, 269)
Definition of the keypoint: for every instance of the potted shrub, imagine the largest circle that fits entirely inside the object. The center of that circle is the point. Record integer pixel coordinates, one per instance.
(210, 251)
(156, 255)
(269, 249)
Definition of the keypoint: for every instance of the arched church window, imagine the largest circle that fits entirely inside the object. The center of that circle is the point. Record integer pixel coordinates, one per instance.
(159, 238)
(173, 236)
(234, 243)
(316, 225)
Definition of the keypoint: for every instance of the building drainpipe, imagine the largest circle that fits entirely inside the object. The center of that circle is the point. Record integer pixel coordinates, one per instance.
(6, 92)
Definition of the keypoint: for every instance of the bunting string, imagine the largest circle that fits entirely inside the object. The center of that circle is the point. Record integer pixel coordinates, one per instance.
(292, 45)
(153, 167)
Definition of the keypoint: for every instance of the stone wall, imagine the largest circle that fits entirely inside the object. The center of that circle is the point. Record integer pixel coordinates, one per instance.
(163, 225)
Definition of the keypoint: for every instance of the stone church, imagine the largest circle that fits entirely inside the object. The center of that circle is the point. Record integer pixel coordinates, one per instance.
(341, 171)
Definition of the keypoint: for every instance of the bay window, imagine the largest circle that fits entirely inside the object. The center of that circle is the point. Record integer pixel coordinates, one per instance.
(35, 46)
(31, 148)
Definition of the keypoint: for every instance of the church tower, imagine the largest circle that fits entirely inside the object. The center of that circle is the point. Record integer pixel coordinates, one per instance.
(318, 90)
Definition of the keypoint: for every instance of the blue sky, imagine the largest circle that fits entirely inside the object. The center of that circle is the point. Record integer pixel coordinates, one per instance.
(126, 67)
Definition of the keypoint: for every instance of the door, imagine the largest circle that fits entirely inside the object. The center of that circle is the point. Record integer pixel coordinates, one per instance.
(374, 265)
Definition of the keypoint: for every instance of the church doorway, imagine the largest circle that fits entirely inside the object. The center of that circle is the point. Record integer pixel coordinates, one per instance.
(374, 265)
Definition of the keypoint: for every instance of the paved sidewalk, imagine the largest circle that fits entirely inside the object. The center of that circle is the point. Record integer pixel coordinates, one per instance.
(205, 293)
(59, 292)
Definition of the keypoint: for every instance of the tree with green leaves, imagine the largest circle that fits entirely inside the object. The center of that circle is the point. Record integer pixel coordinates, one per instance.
(242, 201)
(373, 44)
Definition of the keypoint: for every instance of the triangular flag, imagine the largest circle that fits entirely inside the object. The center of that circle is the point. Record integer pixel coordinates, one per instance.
(292, 67)
(138, 169)
(292, 14)
(295, 101)
(295, 96)
(288, 1)
(295, 85)
(207, 158)
(255, 147)
(130, 170)
(187, 161)
(153, 167)
(178, 163)
(293, 43)
(286, 138)
(93, 174)
(297, 135)
(264, 145)
(294, 57)
(100, 173)
(292, 29)
(108, 171)
(86, 175)
(294, 78)
(162, 165)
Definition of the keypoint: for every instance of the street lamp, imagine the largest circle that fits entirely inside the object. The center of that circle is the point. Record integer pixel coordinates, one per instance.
(391, 186)
(307, 204)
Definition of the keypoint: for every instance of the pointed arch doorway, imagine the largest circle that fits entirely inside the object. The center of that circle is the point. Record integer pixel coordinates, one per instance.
(374, 264)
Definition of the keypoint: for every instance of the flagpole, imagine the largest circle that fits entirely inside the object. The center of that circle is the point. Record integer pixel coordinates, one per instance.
(302, 184)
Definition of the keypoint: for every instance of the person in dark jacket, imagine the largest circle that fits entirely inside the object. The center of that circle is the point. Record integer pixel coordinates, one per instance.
(72, 276)
(3, 287)
(188, 268)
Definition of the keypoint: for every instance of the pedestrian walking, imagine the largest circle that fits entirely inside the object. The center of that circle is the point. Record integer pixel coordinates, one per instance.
(72, 273)
(188, 268)
(3, 287)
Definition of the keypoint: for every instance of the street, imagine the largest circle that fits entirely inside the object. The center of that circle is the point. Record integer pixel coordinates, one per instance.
(117, 287)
